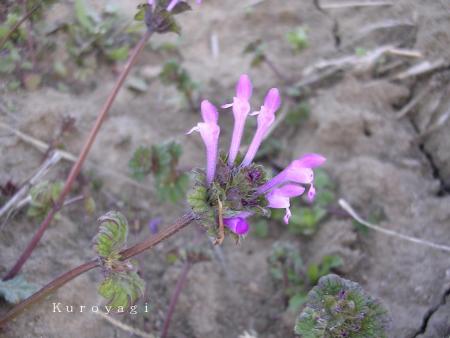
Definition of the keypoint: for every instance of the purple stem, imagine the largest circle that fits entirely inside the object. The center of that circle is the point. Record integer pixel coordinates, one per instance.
(173, 301)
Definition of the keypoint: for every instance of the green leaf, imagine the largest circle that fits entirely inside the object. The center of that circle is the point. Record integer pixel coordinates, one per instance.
(122, 289)
(16, 289)
(43, 197)
(298, 39)
(296, 301)
(180, 8)
(140, 15)
(118, 54)
(112, 235)
(83, 17)
(313, 273)
(141, 163)
(137, 84)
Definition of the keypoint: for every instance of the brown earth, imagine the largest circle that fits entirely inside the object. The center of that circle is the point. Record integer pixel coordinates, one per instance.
(378, 162)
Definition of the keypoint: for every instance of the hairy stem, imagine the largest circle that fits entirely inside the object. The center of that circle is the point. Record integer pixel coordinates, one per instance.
(173, 301)
(68, 276)
(18, 23)
(80, 160)
(167, 232)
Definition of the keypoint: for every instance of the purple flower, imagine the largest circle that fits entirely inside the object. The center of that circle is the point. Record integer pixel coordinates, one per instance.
(233, 179)
(238, 225)
(266, 116)
(279, 198)
(209, 131)
(299, 171)
(153, 225)
(241, 108)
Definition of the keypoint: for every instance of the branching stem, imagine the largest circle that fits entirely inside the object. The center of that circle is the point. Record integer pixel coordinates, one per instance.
(81, 158)
(68, 276)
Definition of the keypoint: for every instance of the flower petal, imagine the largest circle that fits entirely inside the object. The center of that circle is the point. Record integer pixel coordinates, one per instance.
(287, 216)
(238, 225)
(311, 160)
(273, 100)
(311, 193)
(291, 190)
(277, 201)
(244, 88)
(209, 112)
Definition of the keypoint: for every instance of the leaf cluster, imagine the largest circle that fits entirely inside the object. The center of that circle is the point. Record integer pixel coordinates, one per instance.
(122, 285)
(43, 198)
(337, 307)
(288, 270)
(161, 160)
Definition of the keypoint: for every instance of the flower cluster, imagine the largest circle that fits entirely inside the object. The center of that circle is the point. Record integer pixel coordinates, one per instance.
(232, 187)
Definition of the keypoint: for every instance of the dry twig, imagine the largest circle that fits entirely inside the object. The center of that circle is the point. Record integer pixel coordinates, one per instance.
(346, 206)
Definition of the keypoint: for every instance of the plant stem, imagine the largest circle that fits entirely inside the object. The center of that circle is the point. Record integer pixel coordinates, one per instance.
(275, 70)
(18, 23)
(68, 276)
(165, 233)
(173, 301)
(81, 158)
(48, 289)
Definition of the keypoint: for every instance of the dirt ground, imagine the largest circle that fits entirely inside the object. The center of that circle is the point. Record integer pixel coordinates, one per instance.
(378, 161)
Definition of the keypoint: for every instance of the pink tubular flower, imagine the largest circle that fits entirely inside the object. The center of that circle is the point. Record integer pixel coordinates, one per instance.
(209, 131)
(299, 171)
(280, 198)
(244, 188)
(241, 108)
(238, 225)
(266, 116)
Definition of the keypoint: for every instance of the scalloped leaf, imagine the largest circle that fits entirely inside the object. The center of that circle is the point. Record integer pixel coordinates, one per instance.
(122, 289)
(112, 234)
(17, 289)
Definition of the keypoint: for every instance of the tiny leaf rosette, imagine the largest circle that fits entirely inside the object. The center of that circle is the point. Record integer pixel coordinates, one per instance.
(338, 307)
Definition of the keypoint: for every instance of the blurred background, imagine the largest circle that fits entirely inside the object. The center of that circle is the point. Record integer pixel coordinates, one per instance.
(365, 83)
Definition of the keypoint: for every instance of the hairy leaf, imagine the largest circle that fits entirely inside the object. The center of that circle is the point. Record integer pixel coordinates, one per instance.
(16, 289)
(112, 234)
(122, 289)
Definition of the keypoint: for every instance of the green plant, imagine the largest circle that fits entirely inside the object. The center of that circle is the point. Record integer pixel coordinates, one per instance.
(298, 39)
(43, 197)
(122, 285)
(287, 269)
(174, 74)
(161, 160)
(337, 308)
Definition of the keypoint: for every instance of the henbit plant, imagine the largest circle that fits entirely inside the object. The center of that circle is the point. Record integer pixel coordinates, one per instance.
(338, 308)
(233, 188)
(158, 19)
(18, 46)
(298, 39)
(287, 269)
(174, 74)
(43, 197)
(161, 160)
(230, 189)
